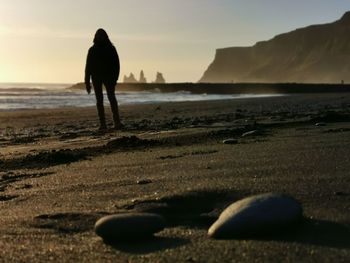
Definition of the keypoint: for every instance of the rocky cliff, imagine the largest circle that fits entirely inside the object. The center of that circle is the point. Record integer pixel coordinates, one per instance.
(315, 54)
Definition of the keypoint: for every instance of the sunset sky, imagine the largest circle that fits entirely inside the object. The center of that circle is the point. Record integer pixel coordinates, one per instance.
(47, 40)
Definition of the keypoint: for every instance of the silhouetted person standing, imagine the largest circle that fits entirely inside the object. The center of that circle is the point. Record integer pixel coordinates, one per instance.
(102, 65)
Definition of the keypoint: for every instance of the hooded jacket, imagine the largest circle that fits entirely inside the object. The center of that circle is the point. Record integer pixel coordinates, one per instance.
(102, 63)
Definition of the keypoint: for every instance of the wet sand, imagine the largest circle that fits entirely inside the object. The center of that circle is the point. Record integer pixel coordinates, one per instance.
(58, 176)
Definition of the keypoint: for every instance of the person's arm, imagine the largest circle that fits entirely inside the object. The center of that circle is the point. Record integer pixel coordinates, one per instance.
(88, 73)
(116, 63)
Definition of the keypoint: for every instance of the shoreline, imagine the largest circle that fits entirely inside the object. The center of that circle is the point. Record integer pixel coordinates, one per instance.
(136, 103)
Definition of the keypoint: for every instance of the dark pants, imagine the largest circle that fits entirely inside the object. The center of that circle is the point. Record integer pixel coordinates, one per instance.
(110, 88)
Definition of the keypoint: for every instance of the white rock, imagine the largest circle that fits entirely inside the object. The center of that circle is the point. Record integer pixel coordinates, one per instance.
(251, 133)
(256, 215)
(129, 226)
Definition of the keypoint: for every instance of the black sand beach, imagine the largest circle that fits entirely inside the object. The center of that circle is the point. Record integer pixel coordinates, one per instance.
(58, 176)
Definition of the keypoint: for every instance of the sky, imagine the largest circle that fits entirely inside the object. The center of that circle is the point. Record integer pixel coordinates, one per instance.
(46, 41)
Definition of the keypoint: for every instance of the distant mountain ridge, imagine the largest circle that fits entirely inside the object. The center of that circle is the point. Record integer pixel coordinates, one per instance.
(314, 54)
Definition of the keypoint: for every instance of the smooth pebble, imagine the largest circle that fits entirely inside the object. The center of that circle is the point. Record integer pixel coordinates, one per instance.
(129, 226)
(256, 215)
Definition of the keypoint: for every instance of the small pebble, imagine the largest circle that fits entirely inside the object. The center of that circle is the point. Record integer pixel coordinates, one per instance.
(339, 193)
(144, 181)
(230, 141)
(251, 133)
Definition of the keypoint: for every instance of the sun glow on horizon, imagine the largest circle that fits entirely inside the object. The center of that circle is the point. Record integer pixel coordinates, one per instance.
(45, 41)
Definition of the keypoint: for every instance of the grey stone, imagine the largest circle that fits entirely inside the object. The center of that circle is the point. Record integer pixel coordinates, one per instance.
(319, 124)
(129, 226)
(257, 215)
(230, 141)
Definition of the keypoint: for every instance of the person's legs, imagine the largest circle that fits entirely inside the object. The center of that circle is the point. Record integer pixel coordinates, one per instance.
(110, 87)
(99, 103)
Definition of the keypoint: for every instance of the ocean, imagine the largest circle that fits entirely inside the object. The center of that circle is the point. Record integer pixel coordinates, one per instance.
(15, 96)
